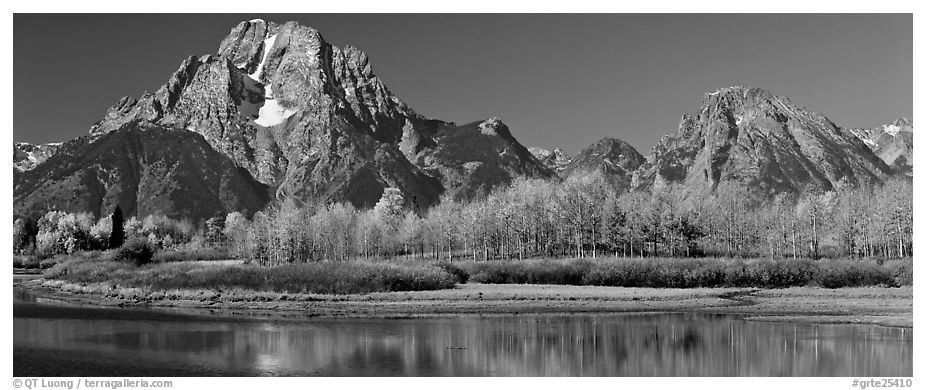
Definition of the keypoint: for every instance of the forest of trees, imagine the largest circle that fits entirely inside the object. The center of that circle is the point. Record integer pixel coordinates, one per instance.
(579, 217)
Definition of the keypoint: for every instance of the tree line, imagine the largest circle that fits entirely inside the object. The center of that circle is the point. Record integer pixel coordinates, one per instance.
(578, 217)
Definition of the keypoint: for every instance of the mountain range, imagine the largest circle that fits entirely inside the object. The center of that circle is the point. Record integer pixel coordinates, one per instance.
(892, 142)
(279, 113)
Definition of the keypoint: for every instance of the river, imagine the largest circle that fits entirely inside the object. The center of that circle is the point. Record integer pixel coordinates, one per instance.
(55, 339)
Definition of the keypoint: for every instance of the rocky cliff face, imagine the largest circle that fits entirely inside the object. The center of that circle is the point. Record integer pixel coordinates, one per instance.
(313, 122)
(145, 169)
(762, 141)
(893, 143)
(555, 159)
(27, 156)
(614, 159)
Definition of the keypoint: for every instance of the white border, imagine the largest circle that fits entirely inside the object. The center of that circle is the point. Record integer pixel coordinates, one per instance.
(476, 6)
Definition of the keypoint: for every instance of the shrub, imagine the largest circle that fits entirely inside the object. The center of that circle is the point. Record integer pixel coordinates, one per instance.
(101, 232)
(169, 256)
(901, 271)
(780, 273)
(456, 271)
(132, 228)
(80, 270)
(657, 272)
(190, 254)
(529, 271)
(26, 261)
(136, 250)
(365, 277)
(689, 273)
(849, 273)
(62, 232)
(323, 278)
(24, 232)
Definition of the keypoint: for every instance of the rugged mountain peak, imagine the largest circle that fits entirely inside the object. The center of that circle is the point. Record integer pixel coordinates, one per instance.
(739, 92)
(899, 125)
(472, 159)
(555, 159)
(277, 98)
(903, 122)
(615, 151)
(282, 69)
(760, 140)
(246, 42)
(615, 159)
(27, 156)
(892, 142)
(491, 125)
(357, 60)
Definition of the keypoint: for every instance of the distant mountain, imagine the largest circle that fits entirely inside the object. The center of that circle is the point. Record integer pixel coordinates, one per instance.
(555, 159)
(616, 160)
(761, 141)
(145, 169)
(892, 142)
(476, 157)
(26, 156)
(312, 122)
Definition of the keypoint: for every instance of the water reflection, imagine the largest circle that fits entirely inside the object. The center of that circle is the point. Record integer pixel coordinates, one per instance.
(21, 295)
(684, 344)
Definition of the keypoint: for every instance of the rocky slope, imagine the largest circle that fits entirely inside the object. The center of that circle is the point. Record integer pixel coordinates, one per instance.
(555, 159)
(616, 160)
(27, 156)
(893, 143)
(145, 169)
(762, 141)
(313, 122)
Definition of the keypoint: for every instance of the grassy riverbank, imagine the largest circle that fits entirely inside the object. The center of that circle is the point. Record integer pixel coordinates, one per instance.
(782, 290)
(695, 272)
(873, 305)
(353, 277)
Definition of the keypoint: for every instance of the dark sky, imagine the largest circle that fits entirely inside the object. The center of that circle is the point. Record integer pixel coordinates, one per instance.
(556, 80)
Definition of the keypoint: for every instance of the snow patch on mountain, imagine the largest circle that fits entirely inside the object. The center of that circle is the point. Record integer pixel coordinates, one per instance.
(892, 129)
(27, 156)
(890, 142)
(258, 103)
(268, 44)
(272, 113)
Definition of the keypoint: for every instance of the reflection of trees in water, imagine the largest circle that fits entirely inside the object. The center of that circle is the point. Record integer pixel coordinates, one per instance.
(655, 344)
(636, 345)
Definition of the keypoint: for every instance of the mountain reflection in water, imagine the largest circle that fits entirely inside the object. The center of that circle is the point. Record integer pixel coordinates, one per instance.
(100, 342)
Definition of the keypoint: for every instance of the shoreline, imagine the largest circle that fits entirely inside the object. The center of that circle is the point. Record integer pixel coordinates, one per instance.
(884, 306)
